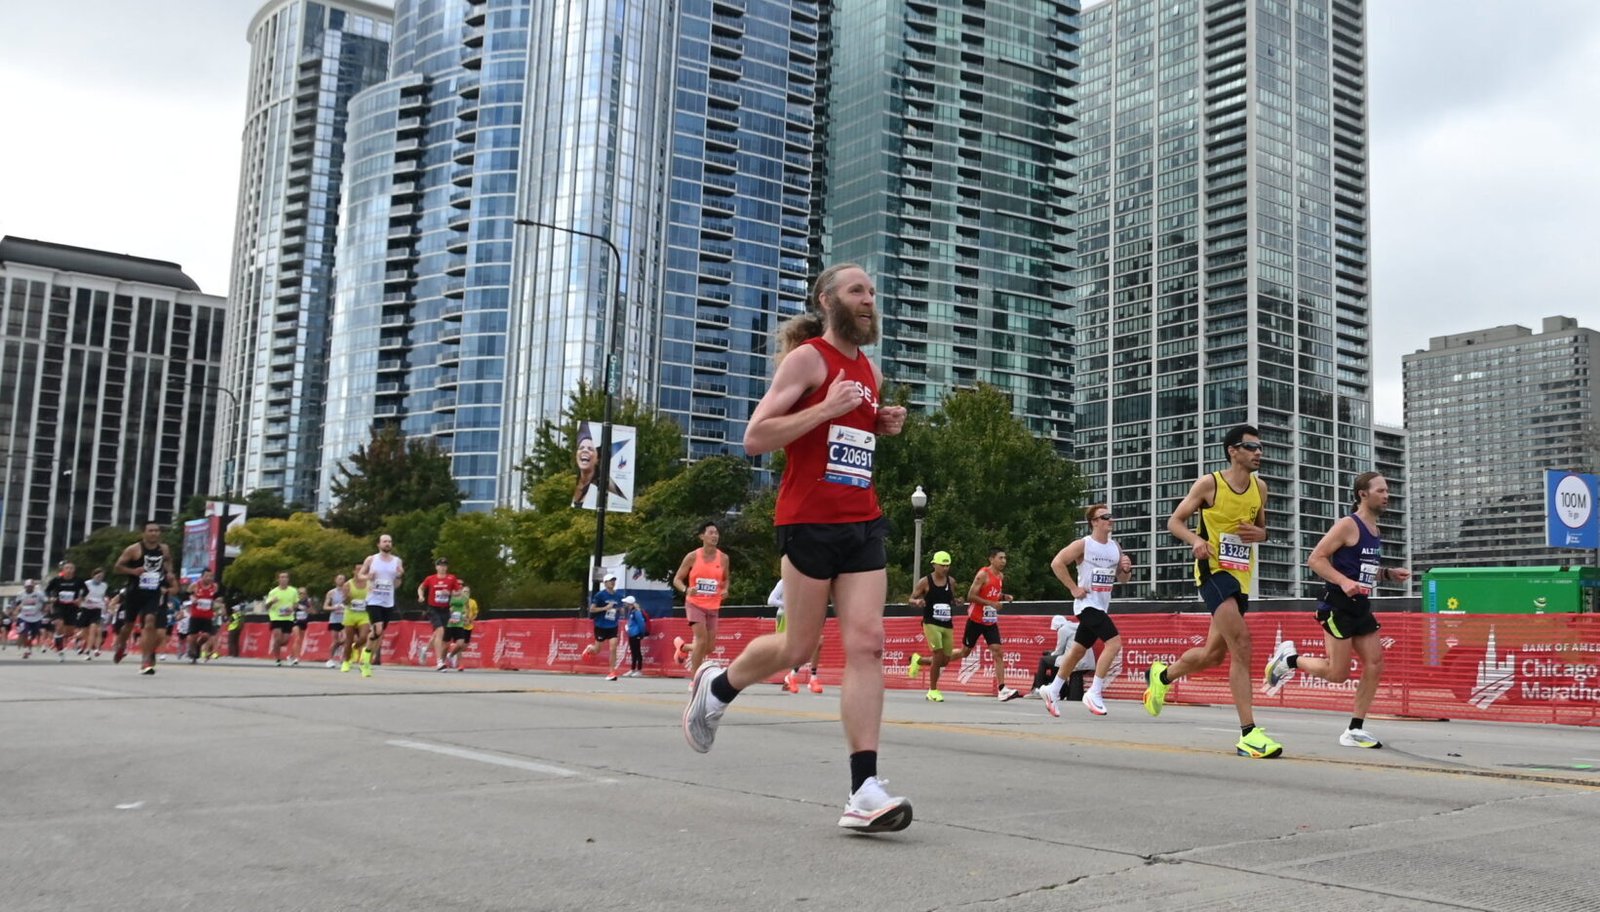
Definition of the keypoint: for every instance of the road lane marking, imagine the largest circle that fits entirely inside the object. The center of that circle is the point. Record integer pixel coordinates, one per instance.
(496, 759)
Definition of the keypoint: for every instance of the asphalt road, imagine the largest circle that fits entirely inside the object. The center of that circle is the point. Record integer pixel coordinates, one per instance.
(239, 786)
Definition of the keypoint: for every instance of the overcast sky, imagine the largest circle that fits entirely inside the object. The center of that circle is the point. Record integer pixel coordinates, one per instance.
(123, 120)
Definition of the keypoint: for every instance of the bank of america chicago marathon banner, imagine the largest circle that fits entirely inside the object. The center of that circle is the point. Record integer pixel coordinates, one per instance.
(1506, 668)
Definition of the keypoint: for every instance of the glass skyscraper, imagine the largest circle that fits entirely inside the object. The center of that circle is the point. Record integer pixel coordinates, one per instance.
(306, 61)
(681, 134)
(947, 174)
(1486, 413)
(1222, 240)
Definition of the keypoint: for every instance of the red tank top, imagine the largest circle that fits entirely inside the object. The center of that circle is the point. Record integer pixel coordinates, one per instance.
(204, 604)
(827, 477)
(994, 586)
(707, 583)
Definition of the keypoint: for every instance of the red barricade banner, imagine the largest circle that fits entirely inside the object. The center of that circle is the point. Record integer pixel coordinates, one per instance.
(1507, 668)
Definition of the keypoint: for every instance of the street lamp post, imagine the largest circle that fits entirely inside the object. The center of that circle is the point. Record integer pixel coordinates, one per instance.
(919, 508)
(233, 477)
(610, 369)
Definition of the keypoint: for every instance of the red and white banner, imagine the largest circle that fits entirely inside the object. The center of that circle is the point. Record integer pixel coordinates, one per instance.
(1508, 668)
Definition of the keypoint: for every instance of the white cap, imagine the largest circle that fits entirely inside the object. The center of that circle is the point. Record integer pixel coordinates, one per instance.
(1058, 622)
(629, 600)
(609, 577)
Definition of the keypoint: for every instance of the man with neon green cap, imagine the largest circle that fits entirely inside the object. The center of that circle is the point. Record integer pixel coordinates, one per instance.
(935, 594)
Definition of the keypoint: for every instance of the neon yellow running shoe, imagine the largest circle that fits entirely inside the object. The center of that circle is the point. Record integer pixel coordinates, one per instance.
(1257, 746)
(915, 666)
(1155, 692)
(366, 670)
(935, 697)
(345, 665)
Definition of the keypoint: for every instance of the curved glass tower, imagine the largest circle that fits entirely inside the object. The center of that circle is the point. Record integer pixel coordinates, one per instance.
(949, 177)
(306, 61)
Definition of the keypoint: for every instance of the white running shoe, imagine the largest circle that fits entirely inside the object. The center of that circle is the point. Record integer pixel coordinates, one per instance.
(1093, 703)
(873, 810)
(1007, 693)
(700, 721)
(294, 661)
(328, 664)
(440, 667)
(1049, 701)
(1358, 737)
(1278, 670)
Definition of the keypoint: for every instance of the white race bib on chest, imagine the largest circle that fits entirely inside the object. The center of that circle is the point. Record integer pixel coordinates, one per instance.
(850, 456)
(1234, 553)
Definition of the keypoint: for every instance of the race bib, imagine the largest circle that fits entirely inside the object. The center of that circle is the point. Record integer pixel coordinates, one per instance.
(67, 597)
(705, 586)
(941, 612)
(456, 618)
(1369, 577)
(441, 597)
(991, 614)
(302, 615)
(1233, 554)
(202, 604)
(149, 580)
(850, 456)
(610, 615)
(1102, 579)
(383, 586)
(358, 604)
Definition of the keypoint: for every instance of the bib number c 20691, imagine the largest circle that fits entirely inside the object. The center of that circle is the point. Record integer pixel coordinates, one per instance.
(851, 452)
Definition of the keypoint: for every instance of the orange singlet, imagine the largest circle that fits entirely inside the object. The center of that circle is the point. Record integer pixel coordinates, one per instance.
(707, 582)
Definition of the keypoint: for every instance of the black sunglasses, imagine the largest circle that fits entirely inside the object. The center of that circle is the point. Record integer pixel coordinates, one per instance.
(1104, 516)
(1252, 447)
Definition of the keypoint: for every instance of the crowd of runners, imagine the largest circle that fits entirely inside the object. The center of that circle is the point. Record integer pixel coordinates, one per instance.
(822, 410)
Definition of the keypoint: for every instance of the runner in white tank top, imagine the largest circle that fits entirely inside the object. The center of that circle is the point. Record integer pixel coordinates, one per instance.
(1100, 565)
(385, 571)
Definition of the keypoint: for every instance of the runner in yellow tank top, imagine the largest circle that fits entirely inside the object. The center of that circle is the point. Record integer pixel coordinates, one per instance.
(1232, 505)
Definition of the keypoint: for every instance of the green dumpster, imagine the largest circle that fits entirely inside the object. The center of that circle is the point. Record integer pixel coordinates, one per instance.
(1455, 591)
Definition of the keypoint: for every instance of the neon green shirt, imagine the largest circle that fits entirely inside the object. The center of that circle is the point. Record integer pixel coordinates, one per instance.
(281, 602)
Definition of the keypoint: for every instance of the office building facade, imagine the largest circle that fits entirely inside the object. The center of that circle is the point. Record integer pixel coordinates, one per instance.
(1389, 458)
(657, 157)
(307, 59)
(948, 174)
(1222, 241)
(1486, 413)
(108, 404)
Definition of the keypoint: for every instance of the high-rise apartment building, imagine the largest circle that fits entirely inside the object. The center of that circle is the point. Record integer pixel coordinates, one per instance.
(1389, 458)
(109, 367)
(306, 61)
(947, 174)
(1222, 242)
(679, 134)
(1486, 413)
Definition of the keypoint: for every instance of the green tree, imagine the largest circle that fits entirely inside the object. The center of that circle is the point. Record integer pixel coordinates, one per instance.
(416, 542)
(101, 549)
(301, 544)
(658, 442)
(389, 476)
(267, 503)
(669, 512)
(474, 543)
(990, 483)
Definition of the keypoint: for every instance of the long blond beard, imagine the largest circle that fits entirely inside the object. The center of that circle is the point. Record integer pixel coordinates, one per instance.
(843, 322)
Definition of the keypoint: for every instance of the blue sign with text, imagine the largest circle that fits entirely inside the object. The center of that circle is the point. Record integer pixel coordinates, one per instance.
(1570, 518)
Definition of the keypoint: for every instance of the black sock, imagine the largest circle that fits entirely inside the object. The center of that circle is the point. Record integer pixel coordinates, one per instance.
(722, 690)
(1357, 723)
(1163, 676)
(863, 766)
(1294, 661)
(1245, 730)
(813, 669)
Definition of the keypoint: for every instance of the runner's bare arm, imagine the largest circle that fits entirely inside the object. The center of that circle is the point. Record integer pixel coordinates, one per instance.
(1256, 532)
(1343, 534)
(1193, 502)
(680, 580)
(772, 426)
(1064, 559)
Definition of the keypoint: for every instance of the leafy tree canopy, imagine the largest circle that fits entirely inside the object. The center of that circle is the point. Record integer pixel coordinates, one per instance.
(311, 552)
(658, 444)
(389, 476)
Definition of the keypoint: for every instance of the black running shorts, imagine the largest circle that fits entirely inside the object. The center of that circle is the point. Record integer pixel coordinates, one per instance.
(990, 633)
(826, 550)
(1094, 626)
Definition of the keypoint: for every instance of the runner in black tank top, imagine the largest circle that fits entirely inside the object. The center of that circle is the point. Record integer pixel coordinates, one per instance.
(148, 564)
(939, 606)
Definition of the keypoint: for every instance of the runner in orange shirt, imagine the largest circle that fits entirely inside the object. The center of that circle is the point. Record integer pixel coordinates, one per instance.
(703, 579)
